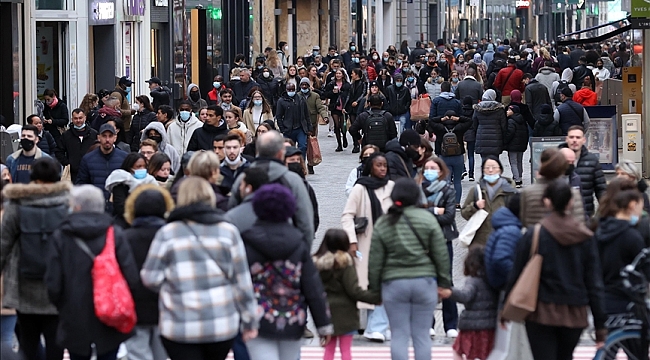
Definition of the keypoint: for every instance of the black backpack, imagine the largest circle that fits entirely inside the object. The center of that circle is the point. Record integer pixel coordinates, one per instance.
(558, 91)
(376, 129)
(450, 144)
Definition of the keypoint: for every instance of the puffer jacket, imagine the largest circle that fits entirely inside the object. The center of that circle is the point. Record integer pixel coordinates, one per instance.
(480, 302)
(95, 168)
(447, 200)
(47, 143)
(440, 128)
(516, 138)
(164, 145)
(71, 150)
(490, 123)
(500, 247)
(140, 121)
(592, 178)
(444, 102)
(546, 125)
(470, 134)
(532, 209)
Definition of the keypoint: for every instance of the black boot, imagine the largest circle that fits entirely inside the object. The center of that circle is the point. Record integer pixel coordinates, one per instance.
(356, 149)
(310, 170)
(345, 141)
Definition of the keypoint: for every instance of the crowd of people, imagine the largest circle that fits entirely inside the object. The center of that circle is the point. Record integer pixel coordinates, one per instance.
(210, 219)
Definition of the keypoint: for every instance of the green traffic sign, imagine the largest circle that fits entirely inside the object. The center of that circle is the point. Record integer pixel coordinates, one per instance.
(641, 9)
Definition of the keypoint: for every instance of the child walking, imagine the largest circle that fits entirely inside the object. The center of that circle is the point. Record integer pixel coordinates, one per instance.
(477, 322)
(339, 278)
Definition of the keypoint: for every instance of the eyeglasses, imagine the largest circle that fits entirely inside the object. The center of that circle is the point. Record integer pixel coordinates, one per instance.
(491, 168)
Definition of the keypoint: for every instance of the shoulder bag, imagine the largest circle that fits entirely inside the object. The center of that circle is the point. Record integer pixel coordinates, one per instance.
(474, 223)
(361, 222)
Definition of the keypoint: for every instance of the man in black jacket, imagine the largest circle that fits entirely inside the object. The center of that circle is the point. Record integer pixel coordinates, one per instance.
(214, 125)
(161, 94)
(587, 166)
(536, 95)
(400, 154)
(399, 102)
(293, 118)
(362, 124)
(570, 113)
(243, 86)
(580, 72)
(75, 143)
(469, 87)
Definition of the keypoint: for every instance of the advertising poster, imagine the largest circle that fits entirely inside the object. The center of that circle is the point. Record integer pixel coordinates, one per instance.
(44, 59)
(537, 146)
(602, 134)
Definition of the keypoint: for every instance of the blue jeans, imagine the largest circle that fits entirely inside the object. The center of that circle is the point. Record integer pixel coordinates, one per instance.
(455, 164)
(300, 137)
(449, 309)
(377, 320)
(405, 121)
(239, 349)
(470, 156)
(7, 326)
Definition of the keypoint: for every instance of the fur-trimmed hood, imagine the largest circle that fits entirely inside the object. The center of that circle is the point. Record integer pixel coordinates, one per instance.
(51, 194)
(331, 261)
(129, 205)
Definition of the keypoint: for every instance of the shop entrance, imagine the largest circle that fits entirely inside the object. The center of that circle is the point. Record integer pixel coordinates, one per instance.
(50, 58)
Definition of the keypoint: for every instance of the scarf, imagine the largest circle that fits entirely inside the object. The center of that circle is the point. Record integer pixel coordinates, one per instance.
(492, 189)
(54, 102)
(434, 191)
(372, 184)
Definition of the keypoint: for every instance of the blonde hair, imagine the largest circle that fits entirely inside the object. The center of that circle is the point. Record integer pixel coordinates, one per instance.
(196, 190)
(272, 59)
(203, 164)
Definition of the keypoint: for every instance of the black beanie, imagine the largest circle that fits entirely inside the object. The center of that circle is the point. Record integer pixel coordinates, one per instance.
(467, 100)
(150, 203)
(546, 109)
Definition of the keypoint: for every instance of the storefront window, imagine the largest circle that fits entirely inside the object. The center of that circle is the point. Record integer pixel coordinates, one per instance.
(47, 57)
(50, 5)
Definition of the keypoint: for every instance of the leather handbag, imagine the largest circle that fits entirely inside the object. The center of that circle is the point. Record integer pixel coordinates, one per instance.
(522, 300)
(360, 224)
(474, 223)
(420, 108)
(314, 156)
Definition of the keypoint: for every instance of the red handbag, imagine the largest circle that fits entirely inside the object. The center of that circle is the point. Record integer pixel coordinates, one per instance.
(112, 298)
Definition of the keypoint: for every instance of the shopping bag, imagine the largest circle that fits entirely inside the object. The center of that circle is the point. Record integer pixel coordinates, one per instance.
(510, 343)
(314, 156)
(420, 108)
(466, 235)
(522, 300)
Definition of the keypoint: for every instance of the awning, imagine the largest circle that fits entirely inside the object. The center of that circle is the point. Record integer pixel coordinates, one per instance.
(621, 26)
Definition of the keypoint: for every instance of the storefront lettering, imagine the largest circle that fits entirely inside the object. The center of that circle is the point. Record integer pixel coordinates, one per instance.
(522, 4)
(105, 11)
(134, 7)
(101, 12)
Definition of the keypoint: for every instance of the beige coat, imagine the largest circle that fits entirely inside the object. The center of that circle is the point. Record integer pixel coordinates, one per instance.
(358, 205)
(251, 125)
(533, 210)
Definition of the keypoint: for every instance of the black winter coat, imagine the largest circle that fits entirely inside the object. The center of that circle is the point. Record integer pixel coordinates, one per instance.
(95, 168)
(46, 143)
(160, 96)
(546, 125)
(580, 73)
(358, 91)
(361, 125)
(140, 236)
(336, 98)
(399, 100)
(70, 285)
(60, 118)
(536, 95)
(241, 90)
(362, 104)
(447, 221)
(470, 134)
(292, 112)
(71, 150)
(524, 110)
(269, 89)
(516, 134)
(202, 137)
(491, 124)
(592, 179)
(440, 128)
(396, 168)
(138, 123)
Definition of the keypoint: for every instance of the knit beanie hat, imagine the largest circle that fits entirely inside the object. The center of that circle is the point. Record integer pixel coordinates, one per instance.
(515, 96)
(274, 203)
(305, 80)
(409, 137)
(546, 109)
(467, 100)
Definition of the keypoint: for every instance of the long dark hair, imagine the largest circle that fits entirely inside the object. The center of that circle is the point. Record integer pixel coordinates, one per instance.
(334, 240)
(406, 192)
(559, 194)
(130, 160)
(367, 169)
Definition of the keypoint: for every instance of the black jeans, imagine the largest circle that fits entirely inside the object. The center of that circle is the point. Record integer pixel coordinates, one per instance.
(552, 342)
(111, 355)
(449, 308)
(31, 328)
(202, 351)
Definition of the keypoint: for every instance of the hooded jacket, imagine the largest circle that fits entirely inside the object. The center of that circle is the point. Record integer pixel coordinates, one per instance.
(618, 244)
(586, 97)
(500, 247)
(516, 137)
(292, 113)
(440, 128)
(70, 284)
(180, 132)
(140, 121)
(202, 137)
(303, 219)
(536, 95)
(396, 167)
(546, 125)
(547, 76)
(49, 202)
(341, 284)
(196, 105)
(513, 82)
(164, 145)
(73, 146)
(592, 178)
(490, 123)
(481, 303)
(285, 280)
(444, 102)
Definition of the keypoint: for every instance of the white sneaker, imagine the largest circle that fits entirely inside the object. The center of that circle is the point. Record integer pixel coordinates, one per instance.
(432, 332)
(452, 333)
(330, 133)
(122, 353)
(375, 336)
(388, 335)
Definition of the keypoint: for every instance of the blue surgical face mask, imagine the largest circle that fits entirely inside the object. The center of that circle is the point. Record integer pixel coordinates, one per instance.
(454, 79)
(185, 115)
(491, 178)
(79, 127)
(431, 175)
(410, 78)
(399, 62)
(128, 89)
(257, 102)
(385, 59)
(356, 60)
(291, 93)
(398, 83)
(304, 91)
(140, 174)
(634, 219)
(353, 48)
(216, 84)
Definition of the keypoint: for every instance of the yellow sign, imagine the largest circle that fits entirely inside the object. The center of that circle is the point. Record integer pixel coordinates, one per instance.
(632, 91)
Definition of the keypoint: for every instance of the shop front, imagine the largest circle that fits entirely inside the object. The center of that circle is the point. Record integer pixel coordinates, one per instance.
(10, 23)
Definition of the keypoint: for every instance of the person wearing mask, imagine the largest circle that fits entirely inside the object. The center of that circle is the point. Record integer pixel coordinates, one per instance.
(20, 162)
(338, 92)
(516, 143)
(242, 215)
(269, 86)
(444, 102)
(217, 86)
(180, 131)
(55, 114)
(490, 123)
(196, 231)
(80, 238)
(75, 143)
(406, 279)
(627, 169)
(495, 193)
(399, 101)
(23, 255)
(121, 92)
(441, 202)
(194, 97)
(600, 72)
(292, 116)
(358, 90)
(46, 141)
(257, 112)
(156, 132)
(444, 67)
(201, 138)
(145, 211)
(160, 94)
(376, 124)
(282, 50)
(571, 281)
(244, 86)
(144, 116)
(369, 199)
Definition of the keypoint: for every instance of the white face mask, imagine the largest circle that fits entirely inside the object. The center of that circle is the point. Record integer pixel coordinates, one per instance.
(136, 107)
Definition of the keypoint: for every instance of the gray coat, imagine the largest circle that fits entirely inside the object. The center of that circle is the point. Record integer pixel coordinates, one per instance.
(480, 302)
(29, 296)
(242, 215)
(469, 87)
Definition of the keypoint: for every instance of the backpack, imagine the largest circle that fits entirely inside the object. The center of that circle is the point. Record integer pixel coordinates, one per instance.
(375, 133)
(114, 305)
(450, 144)
(558, 91)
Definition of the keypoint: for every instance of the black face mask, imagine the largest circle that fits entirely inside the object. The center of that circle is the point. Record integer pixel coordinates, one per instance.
(5, 182)
(156, 138)
(364, 160)
(412, 154)
(570, 170)
(27, 144)
(195, 96)
(161, 179)
(297, 168)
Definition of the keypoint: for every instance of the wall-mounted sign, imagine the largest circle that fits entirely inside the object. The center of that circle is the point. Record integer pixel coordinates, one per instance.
(522, 4)
(134, 7)
(101, 12)
(640, 9)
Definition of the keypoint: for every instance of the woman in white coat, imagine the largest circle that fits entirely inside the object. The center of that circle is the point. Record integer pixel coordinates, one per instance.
(369, 199)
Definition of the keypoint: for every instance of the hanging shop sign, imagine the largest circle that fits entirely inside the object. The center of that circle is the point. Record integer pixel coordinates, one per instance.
(101, 12)
(134, 7)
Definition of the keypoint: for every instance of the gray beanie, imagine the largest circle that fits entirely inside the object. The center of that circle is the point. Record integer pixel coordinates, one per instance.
(305, 80)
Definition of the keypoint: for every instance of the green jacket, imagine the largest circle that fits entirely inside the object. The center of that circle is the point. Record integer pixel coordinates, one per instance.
(396, 253)
(315, 107)
(341, 284)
